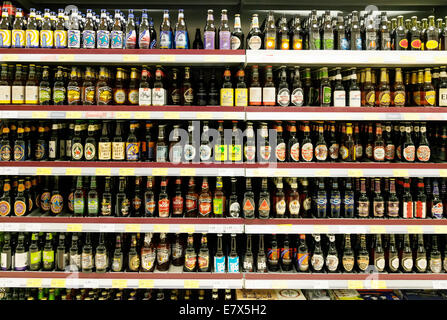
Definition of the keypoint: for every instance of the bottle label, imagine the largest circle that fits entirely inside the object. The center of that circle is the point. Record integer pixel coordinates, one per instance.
(205, 207)
(281, 152)
(363, 208)
(18, 39)
(399, 98)
(176, 153)
(423, 153)
(181, 40)
(46, 38)
(295, 151)
(442, 97)
(203, 261)
(226, 97)
(148, 260)
(191, 203)
(363, 262)
(86, 261)
(255, 94)
(117, 264)
(5, 208)
(32, 38)
(327, 95)
(430, 44)
(158, 97)
(104, 150)
(20, 261)
(409, 153)
(321, 152)
(294, 207)
(235, 209)
(162, 256)
(177, 205)
(100, 260)
(390, 151)
(265, 152)
(219, 264)
(77, 151)
(118, 150)
(18, 94)
(88, 39)
(58, 95)
(31, 94)
(317, 262)
(19, 208)
(236, 152)
(117, 39)
(379, 153)
(407, 263)
(132, 150)
(430, 97)
(233, 264)
(254, 43)
(235, 43)
(19, 152)
(209, 37)
(408, 209)
(435, 265)
(144, 39)
(270, 41)
(416, 44)
(355, 98)
(241, 99)
(249, 207)
(283, 97)
(74, 39)
(348, 263)
(344, 43)
(437, 210)
(269, 96)
(384, 99)
(106, 207)
(224, 40)
(307, 151)
(220, 152)
(190, 261)
(150, 206)
(205, 152)
(162, 153)
(145, 96)
(133, 96)
(102, 39)
(119, 96)
(281, 207)
(378, 208)
(163, 207)
(56, 203)
(131, 39)
(339, 98)
(297, 97)
(250, 152)
(420, 209)
(334, 150)
(264, 207)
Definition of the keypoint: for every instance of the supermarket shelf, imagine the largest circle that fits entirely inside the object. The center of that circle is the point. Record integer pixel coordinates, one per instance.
(123, 56)
(98, 168)
(345, 226)
(346, 169)
(346, 58)
(121, 112)
(127, 225)
(345, 281)
(347, 113)
(166, 280)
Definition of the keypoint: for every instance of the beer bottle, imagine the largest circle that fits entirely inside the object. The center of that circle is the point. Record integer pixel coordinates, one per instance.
(420, 210)
(224, 32)
(56, 199)
(35, 254)
(270, 33)
(362, 255)
(437, 206)
(118, 145)
(104, 144)
(250, 144)
(163, 199)
(368, 92)
(314, 32)
(190, 255)
(133, 90)
(77, 145)
(280, 149)
(6, 253)
(5, 145)
(90, 148)
(442, 87)
(415, 34)
(20, 256)
(74, 255)
(219, 257)
(400, 40)
(297, 34)
(255, 91)
(132, 144)
(293, 199)
(297, 96)
(175, 148)
(209, 33)
(254, 37)
(204, 200)
(286, 255)
(321, 200)
(87, 255)
(103, 33)
(198, 43)
(32, 30)
(122, 204)
(379, 145)
(153, 34)
(101, 259)
(161, 147)
(363, 201)
(20, 207)
(119, 92)
(159, 97)
(407, 255)
(248, 261)
(148, 254)
(204, 255)
(398, 94)
(116, 34)
(44, 88)
(264, 201)
(384, 33)
(339, 94)
(332, 260)
(92, 199)
(233, 204)
(149, 198)
(18, 88)
(348, 200)
(213, 91)
(269, 90)
(227, 91)
(106, 200)
(428, 92)
(379, 255)
(327, 33)
(354, 99)
(279, 200)
(177, 200)
(204, 149)
(133, 257)
(220, 148)
(408, 147)
(283, 96)
(435, 263)
(307, 149)
(202, 93)
(335, 200)
(46, 31)
(378, 201)
(88, 32)
(370, 35)
(407, 201)
(187, 89)
(237, 36)
(340, 34)
(117, 261)
(321, 150)
(48, 253)
(355, 32)
(248, 202)
(443, 38)
(79, 199)
(347, 255)
(74, 88)
(423, 150)
(283, 34)
(145, 90)
(219, 201)
(384, 89)
(19, 145)
(273, 255)
(393, 256)
(130, 32)
(89, 89)
(431, 35)
(181, 33)
(293, 145)
(31, 86)
(241, 91)
(163, 253)
(325, 89)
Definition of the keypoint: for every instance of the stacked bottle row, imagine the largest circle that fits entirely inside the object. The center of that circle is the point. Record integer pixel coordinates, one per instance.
(419, 198)
(119, 252)
(205, 141)
(301, 253)
(325, 32)
(284, 86)
(115, 294)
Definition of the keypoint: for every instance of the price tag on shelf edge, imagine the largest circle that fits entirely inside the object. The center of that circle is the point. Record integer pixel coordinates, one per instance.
(161, 228)
(132, 228)
(355, 173)
(187, 228)
(58, 283)
(377, 229)
(74, 227)
(127, 171)
(191, 284)
(400, 173)
(415, 230)
(34, 283)
(378, 284)
(44, 171)
(159, 171)
(119, 283)
(73, 171)
(355, 284)
(441, 229)
(147, 284)
(103, 171)
(188, 172)
(279, 284)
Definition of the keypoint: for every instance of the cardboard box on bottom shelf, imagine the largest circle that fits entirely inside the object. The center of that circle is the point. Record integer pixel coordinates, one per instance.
(344, 294)
(317, 294)
(269, 294)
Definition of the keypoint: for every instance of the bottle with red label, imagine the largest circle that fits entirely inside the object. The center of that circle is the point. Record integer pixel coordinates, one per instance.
(437, 206)
(205, 200)
(280, 150)
(420, 210)
(137, 201)
(191, 199)
(177, 200)
(423, 150)
(264, 200)
(279, 202)
(400, 35)
(379, 145)
(293, 200)
(248, 203)
(321, 150)
(307, 148)
(149, 198)
(293, 145)
(390, 148)
(163, 199)
(415, 35)
(250, 143)
(408, 147)
(407, 203)
(264, 145)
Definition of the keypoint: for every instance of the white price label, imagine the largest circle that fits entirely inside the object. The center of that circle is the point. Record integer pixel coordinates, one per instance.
(91, 283)
(321, 284)
(106, 227)
(440, 285)
(33, 227)
(11, 227)
(213, 228)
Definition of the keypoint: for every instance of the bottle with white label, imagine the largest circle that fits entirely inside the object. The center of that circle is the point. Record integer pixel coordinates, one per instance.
(355, 95)
(442, 95)
(21, 255)
(255, 91)
(254, 37)
(269, 90)
(159, 97)
(145, 90)
(421, 255)
(283, 97)
(339, 97)
(297, 95)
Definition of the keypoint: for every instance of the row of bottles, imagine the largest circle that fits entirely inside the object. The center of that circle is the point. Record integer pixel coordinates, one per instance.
(284, 86)
(202, 141)
(118, 253)
(263, 198)
(327, 32)
(57, 294)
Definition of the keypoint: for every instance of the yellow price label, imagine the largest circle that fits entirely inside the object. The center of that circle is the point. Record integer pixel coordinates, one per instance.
(355, 284)
(142, 115)
(230, 115)
(411, 116)
(355, 172)
(161, 228)
(146, 284)
(73, 115)
(378, 284)
(131, 58)
(284, 228)
(10, 57)
(58, 283)
(44, 171)
(281, 173)
(103, 171)
(39, 114)
(415, 229)
(204, 115)
(119, 283)
(191, 284)
(159, 171)
(127, 171)
(167, 58)
(279, 284)
(34, 283)
(188, 172)
(321, 229)
(187, 228)
(377, 229)
(132, 228)
(442, 172)
(257, 173)
(123, 115)
(66, 57)
(73, 171)
(322, 173)
(400, 173)
(441, 229)
(407, 59)
(75, 227)
(171, 115)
